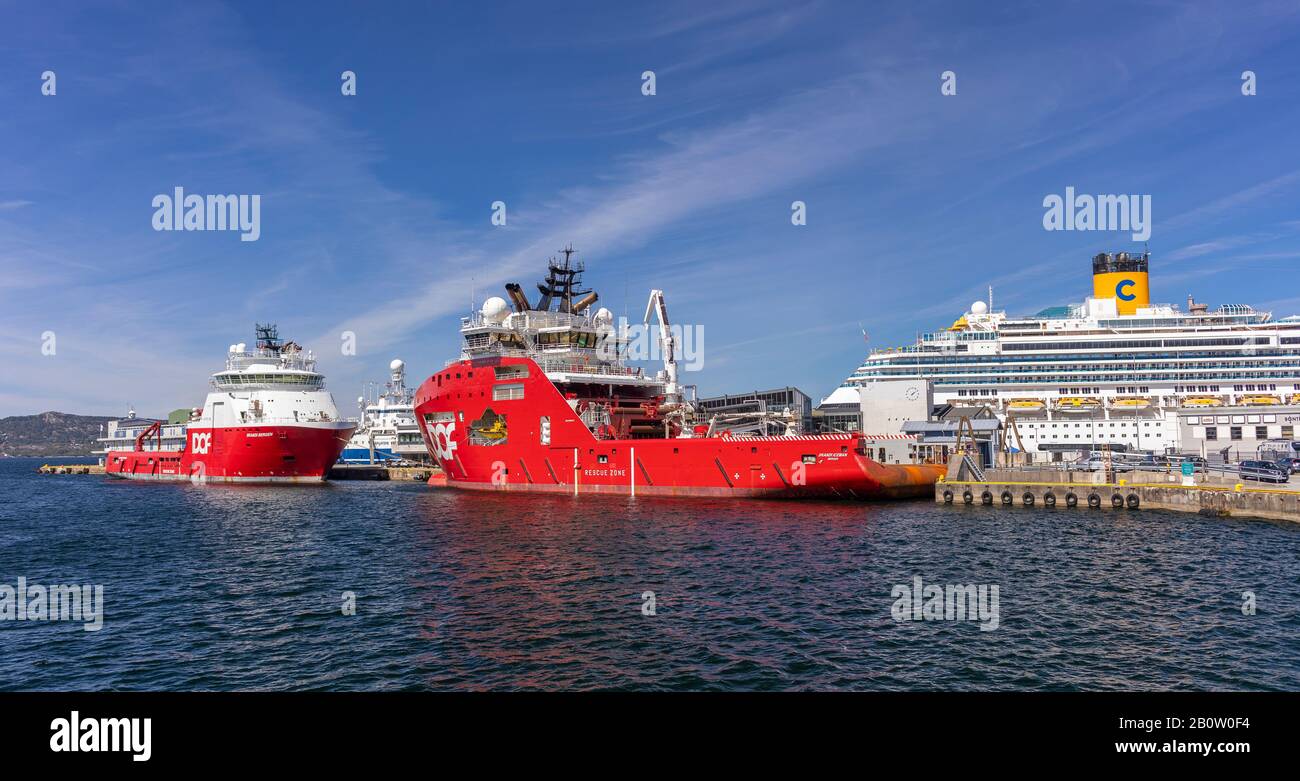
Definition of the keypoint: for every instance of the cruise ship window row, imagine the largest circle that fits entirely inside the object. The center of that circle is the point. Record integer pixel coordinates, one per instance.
(1129, 344)
(1233, 357)
(1074, 376)
(1259, 380)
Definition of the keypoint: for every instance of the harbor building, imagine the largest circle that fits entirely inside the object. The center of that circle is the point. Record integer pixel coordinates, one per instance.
(120, 434)
(762, 402)
(1115, 369)
(840, 411)
(1235, 434)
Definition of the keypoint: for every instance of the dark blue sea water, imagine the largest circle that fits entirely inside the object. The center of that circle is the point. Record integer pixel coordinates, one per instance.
(242, 588)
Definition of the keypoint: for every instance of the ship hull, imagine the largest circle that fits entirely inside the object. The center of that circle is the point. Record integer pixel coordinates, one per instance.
(242, 454)
(361, 455)
(521, 434)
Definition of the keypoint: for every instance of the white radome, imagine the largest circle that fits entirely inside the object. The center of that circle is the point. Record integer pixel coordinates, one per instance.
(979, 308)
(495, 309)
(396, 364)
(234, 348)
(604, 316)
(241, 347)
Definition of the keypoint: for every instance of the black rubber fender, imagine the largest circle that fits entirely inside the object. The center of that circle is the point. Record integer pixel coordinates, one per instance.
(1071, 499)
(1049, 499)
(967, 497)
(1133, 502)
(1027, 499)
(1094, 501)
(947, 496)
(1007, 498)
(1117, 501)
(986, 497)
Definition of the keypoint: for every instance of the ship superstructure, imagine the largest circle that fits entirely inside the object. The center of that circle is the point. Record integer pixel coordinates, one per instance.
(543, 398)
(267, 418)
(1115, 369)
(387, 430)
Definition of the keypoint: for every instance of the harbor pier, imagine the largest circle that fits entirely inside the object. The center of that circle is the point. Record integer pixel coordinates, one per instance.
(1129, 492)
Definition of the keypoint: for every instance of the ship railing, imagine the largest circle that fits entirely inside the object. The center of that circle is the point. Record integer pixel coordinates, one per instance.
(535, 318)
(305, 361)
(554, 364)
(316, 383)
(540, 319)
(574, 367)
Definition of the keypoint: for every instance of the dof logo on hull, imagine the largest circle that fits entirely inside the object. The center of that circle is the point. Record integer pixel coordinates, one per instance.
(441, 437)
(201, 442)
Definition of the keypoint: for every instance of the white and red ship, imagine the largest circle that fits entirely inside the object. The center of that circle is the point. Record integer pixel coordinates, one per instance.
(268, 419)
(542, 399)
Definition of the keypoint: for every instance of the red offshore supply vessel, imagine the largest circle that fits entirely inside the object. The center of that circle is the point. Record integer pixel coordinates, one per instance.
(268, 419)
(542, 399)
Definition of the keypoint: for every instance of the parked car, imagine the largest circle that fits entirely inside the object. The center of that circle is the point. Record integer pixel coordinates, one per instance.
(1264, 471)
(1150, 461)
(1176, 463)
(1291, 465)
(1098, 464)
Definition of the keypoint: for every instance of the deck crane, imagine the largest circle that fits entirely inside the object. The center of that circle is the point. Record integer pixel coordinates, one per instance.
(666, 343)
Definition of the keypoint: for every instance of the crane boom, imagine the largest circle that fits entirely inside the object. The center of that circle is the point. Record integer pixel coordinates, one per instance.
(666, 342)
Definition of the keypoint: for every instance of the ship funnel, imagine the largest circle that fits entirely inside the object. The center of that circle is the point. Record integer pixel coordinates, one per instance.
(1122, 277)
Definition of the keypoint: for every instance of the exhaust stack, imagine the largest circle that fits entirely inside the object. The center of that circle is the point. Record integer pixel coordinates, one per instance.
(517, 297)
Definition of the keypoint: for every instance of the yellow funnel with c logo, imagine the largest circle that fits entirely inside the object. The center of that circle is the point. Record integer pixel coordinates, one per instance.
(1122, 277)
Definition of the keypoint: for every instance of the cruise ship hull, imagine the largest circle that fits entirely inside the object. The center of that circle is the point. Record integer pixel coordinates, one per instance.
(532, 439)
(241, 454)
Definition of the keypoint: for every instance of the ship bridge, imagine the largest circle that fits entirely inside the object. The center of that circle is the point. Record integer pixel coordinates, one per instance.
(561, 333)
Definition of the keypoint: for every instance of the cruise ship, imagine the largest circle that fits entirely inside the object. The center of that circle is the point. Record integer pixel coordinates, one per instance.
(1115, 369)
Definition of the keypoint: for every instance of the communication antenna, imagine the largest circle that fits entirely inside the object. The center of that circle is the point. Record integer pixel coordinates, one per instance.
(990, 299)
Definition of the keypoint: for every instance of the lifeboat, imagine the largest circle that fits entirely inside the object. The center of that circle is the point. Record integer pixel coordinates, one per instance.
(1295, 398)
(1132, 402)
(1260, 400)
(1202, 401)
(1077, 404)
(1025, 404)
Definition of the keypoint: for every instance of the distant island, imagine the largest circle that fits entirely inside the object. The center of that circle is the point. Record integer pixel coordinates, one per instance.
(50, 434)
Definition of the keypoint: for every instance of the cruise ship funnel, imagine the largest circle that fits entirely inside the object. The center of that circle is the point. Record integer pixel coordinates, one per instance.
(1123, 277)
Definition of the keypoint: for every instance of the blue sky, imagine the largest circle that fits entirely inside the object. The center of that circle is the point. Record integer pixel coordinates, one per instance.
(376, 208)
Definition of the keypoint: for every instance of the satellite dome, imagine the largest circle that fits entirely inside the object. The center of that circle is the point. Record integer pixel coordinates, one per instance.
(234, 348)
(979, 308)
(604, 316)
(241, 347)
(495, 309)
(396, 364)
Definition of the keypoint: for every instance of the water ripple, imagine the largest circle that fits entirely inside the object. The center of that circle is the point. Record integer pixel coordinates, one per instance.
(242, 588)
